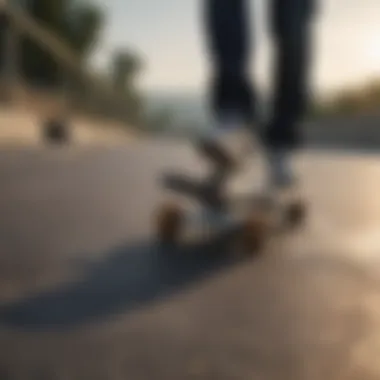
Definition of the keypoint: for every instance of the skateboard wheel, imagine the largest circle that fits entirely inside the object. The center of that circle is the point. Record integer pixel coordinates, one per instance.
(253, 234)
(169, 223)
(296, 213)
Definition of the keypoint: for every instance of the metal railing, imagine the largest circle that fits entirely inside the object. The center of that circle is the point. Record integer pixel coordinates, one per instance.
(20, 23)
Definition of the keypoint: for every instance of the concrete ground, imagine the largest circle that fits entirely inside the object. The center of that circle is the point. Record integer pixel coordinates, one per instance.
(86, 294)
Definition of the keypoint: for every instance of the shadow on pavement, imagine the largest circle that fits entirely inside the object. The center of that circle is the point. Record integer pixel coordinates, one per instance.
(129, 278)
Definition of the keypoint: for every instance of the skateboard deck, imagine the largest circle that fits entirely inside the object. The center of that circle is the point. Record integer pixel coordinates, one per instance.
(250, 219)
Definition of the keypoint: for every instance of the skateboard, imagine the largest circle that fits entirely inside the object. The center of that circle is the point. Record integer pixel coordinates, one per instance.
(248, 219)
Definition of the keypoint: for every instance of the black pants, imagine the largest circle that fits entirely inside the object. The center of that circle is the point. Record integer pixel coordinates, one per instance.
(228, 30)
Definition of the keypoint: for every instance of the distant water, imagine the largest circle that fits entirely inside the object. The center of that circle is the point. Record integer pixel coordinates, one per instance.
(186, 109)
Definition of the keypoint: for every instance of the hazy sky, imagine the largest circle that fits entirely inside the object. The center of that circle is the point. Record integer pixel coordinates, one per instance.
(168, 34)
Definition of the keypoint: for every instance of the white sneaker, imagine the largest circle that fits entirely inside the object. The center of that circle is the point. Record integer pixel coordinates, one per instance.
(229, 143)
(281, 189)
(281, 175)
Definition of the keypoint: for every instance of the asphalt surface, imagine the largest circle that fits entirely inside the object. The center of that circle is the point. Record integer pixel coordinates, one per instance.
(85, 293)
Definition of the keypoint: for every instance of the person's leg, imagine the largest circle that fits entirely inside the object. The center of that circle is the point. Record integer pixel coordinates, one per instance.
(291, 22)
(228, 41)
(228, 38)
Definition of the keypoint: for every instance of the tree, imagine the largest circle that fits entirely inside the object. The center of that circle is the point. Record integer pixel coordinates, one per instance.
(161, 120)
(125, 68)
(78, 23)
(350, 101)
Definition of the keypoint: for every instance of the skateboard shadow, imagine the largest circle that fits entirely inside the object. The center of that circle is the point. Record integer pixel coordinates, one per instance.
(128, 279)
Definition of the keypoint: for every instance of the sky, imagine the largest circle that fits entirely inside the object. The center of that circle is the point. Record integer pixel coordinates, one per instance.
(168, 35)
